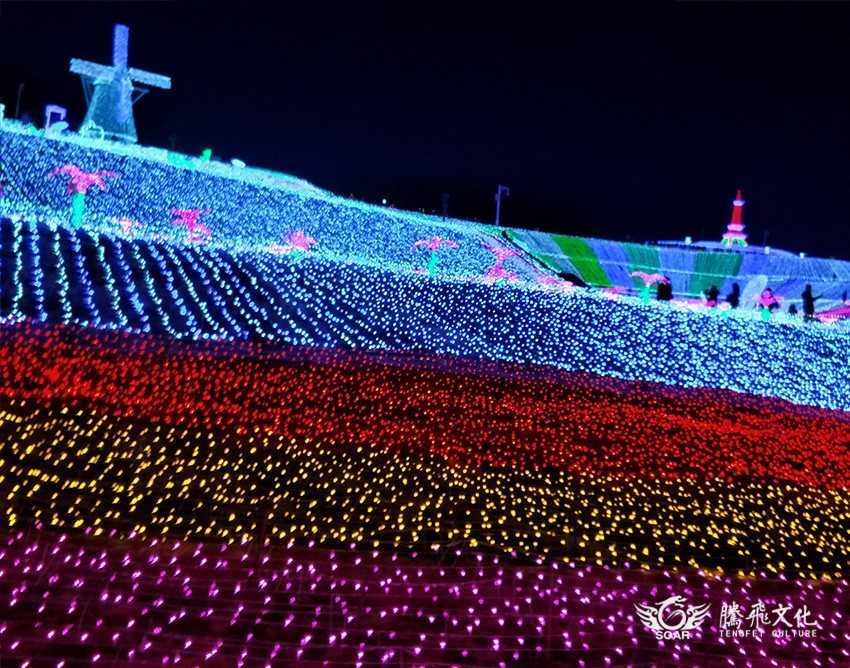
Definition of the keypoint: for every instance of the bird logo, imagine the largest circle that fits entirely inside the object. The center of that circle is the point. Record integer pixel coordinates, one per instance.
(671, 618)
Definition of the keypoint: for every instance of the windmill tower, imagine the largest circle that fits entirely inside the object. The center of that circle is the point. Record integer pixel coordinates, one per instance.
(111, 91)
(735, 229)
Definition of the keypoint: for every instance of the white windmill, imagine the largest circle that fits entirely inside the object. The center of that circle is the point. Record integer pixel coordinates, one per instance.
(111, 91)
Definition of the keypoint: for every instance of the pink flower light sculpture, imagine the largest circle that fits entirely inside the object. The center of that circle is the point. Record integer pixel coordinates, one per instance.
(648, 281)
(768, 301)
(196, 232)
(295, 243)
(79, 183)
(498, 271)
(434, 244)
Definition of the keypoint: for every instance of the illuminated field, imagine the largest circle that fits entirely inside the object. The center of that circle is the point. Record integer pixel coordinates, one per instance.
(319, 432)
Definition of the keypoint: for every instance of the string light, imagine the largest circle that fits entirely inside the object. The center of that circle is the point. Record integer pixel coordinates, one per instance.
(247, 209)
(245, 421)
(349, 446)
(164, 602)
(211, 293)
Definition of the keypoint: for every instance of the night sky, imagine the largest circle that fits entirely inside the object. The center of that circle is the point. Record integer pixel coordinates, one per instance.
(618, 122)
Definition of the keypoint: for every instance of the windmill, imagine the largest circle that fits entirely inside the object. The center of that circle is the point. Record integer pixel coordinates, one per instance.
(111, 91)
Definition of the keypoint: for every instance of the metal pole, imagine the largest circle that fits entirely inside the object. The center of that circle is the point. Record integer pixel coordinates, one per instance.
(18, 102)
(500, 190)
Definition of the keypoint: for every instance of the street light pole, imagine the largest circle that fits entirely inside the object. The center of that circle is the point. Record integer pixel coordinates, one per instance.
(500, 190)
(18, 102)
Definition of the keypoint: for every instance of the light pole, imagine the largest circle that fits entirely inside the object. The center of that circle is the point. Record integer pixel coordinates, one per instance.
(500, 190)
(18, 102)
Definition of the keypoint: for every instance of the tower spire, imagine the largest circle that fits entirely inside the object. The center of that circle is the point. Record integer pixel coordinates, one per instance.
(735, 229)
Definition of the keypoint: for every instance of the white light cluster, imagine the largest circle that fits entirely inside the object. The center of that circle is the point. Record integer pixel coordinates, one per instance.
(201, 293)
(239, 214)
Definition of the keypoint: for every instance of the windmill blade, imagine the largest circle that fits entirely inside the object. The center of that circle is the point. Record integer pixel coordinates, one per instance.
(120, 38)
(149, 78)
(87, 68)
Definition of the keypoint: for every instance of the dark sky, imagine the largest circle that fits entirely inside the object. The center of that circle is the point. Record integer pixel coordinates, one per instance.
(615, 121)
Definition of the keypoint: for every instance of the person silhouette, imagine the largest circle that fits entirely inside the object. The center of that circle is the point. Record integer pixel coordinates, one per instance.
(734, 297)
(809, 302)
(712, 293)
(664, 291)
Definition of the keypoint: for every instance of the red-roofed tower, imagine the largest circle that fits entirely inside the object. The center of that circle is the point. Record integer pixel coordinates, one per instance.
(735, 229)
